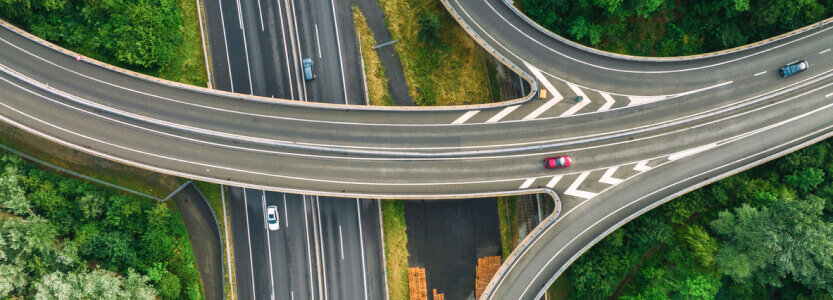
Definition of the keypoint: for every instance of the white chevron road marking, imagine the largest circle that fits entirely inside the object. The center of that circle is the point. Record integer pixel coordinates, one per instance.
(465, 117)
(527, 183)
(579, 105)
(608, 101)
(642, 166)
(608, 177)
(546, 83)
(554, 181)
(573, 189)
(503, 113)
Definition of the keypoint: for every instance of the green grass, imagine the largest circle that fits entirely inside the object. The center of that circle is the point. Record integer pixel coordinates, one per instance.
(396, 250)
(377, 83)
(189, 66)
(560, 289)
(213, 194)
(507, 213)
(453, 73)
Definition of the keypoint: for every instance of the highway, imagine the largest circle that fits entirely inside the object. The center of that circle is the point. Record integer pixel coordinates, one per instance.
(292, 262)
(647, 132)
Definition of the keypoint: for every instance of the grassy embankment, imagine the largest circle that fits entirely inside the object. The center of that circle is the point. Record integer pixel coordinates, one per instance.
(396, 251)
(452, 74)
(213, 194)
(507, 208)
(374, 72)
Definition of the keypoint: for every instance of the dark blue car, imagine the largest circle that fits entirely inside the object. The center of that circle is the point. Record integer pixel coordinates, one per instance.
(796, 67)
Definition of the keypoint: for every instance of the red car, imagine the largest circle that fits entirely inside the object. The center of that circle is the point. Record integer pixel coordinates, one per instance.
(558, 162)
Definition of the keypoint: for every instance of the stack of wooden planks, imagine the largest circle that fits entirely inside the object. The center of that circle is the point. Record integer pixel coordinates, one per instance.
(417, 284)
(486, 268)
(438, 296)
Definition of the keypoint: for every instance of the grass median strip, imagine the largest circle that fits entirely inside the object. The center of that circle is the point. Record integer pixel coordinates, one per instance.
(396, 250)
(451, 69)
(377, 83)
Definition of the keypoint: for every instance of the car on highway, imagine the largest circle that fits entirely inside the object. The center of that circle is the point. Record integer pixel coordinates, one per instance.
(272, 217)
(558, 162)
(308, 74)
(794, 68)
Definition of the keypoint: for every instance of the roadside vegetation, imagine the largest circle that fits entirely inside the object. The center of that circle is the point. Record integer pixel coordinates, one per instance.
(442, 64)
(377, 83)
(766, 233)
(66, 238)
(214, 195)
(157, 37)
(673, 28)
(507, 212)
(396, 250)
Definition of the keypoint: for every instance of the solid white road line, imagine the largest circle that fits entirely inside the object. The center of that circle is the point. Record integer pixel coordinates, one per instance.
(577, 106)
(608, 177)
(317, 40)
(690, 152)
(465, 117)
(228, 240)
(225, 42)
(260, 13)
(239, 15)
(321, 237)
(361, 244)
(503, 113)
(554, 181)
(204, 49)
(309, 251)
(340, 56)
(642, 166)
(828, 95)
(294, 36)
(573, 189)
(552, 90)
(285, 51)
(608, 101)
(825, 51)
(761, 73)
(246, 50)
(527, 183)
(341, 241)
(269, 247)
(249, 238)
(285, 212)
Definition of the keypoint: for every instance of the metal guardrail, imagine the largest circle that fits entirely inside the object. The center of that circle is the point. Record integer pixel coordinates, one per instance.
(234, 96)
(665, 59)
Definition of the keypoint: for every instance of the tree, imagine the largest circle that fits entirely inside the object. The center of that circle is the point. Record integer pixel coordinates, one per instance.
(98, 284)
(12, 197)
(806, 180)
(700, 287)
(766, 245)
(429, 29)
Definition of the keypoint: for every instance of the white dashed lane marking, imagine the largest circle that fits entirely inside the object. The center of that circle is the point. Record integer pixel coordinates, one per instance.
(465, 117)
(573, 189)
(608, 177)
(503, 113)
(825, 51)
(690, 152)
(762, 73)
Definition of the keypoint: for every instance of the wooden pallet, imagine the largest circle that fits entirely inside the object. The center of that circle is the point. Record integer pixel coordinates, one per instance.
(417, 284)
(486, 269)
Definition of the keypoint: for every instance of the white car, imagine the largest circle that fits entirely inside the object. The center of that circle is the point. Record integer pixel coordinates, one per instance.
(272, 218)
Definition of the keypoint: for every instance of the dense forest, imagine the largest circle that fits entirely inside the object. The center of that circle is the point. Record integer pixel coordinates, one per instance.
(133, 33)
(766, 233)
(62, 238)
(673, 28)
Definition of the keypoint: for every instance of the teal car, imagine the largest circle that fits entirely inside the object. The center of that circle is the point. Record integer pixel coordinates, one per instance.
(308, 75)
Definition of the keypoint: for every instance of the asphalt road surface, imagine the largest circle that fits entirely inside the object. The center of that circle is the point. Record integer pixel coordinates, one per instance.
(670, 124)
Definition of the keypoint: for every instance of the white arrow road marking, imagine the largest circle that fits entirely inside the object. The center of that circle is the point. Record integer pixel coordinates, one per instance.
(608, 177)
(579, 105)
(527, 183)
(465, 117)
(573, 189)
(691, 151)
(642, 166)
(503, 113)
(554, 181)
(546, 83)
(608, 101)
